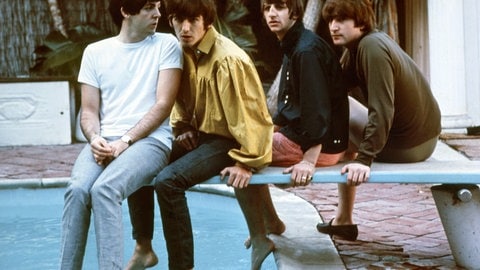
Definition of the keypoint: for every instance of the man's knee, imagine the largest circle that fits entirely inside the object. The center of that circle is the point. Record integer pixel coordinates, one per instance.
(102, 192)
(169, 180)
(165, 187)
(170, 189)
(77, 191)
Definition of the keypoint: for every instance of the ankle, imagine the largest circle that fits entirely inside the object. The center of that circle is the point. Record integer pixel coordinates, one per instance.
(277, 227)
(143, 244)
(143, 257)
(342, 221)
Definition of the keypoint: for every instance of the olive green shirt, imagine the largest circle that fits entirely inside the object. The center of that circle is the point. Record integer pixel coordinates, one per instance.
(221, 93)
(402, 111)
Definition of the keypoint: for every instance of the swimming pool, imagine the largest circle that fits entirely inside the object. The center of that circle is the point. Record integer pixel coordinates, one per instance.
(30, 226)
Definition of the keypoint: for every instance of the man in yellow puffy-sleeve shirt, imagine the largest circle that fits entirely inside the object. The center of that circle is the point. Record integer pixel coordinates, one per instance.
(220, 121)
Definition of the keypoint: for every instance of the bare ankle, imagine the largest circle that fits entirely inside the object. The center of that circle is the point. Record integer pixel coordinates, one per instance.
(143, 256)
(277, 227)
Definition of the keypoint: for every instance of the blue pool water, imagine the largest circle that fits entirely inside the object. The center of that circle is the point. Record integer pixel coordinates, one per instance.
(30, 229)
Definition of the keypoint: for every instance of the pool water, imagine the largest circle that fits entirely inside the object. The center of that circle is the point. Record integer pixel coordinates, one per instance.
(30, 226)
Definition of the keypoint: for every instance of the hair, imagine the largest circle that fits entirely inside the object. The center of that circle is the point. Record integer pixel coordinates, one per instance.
(360, 11)
(294, 6)
(131, 7)
(188, 9)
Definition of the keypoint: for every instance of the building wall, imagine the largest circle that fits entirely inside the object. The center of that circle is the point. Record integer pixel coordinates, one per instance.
(454, 60)
(472, 55)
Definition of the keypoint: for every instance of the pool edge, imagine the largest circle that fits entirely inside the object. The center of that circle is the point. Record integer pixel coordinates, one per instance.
(34, 183)
(300, 247)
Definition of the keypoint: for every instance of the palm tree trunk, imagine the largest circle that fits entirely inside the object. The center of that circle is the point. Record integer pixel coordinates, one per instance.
(313, 11)
(57, 17)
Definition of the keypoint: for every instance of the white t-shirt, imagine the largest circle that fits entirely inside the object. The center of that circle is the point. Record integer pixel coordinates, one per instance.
(127, 74)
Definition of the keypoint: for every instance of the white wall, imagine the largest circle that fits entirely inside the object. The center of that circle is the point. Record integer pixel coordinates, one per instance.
(472, 56)
(454, 60)
(35, 113)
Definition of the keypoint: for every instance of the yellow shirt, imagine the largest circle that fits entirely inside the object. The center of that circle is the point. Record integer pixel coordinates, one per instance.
(221, 94)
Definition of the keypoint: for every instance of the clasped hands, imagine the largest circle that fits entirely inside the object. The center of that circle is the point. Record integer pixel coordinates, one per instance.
(104, 152)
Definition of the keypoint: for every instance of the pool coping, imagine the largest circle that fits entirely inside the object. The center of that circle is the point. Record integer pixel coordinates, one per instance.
(53, 182)
(299, 247)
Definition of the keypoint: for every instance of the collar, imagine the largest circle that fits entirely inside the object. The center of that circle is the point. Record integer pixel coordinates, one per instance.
(291, 37)
(207, 42)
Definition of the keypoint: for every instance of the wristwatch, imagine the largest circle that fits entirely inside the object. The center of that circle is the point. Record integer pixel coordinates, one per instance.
(126, 139)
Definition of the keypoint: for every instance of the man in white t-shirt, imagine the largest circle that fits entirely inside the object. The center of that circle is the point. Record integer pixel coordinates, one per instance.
(129, 83)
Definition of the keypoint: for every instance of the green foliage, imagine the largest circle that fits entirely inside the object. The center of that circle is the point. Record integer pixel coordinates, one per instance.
(235, 21)
(230, 23)
(61, 56)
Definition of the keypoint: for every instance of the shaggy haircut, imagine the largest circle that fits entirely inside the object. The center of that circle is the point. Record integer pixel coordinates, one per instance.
(294, 6)
(360, 11)
(189, 9)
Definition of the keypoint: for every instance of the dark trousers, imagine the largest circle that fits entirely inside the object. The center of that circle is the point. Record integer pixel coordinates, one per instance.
(185, 170)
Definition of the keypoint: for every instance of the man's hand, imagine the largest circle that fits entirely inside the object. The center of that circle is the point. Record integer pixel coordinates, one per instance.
(188, 140)
(118, 146)
(238, 177)
(101, 150)
(301, 173)
(357, 173)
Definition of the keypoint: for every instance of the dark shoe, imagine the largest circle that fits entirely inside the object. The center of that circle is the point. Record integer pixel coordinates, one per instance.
(347, 232)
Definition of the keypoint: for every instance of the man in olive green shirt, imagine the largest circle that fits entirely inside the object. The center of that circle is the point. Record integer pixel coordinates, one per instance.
(401, 120)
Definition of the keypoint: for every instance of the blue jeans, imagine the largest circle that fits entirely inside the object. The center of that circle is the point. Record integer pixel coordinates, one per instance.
(185, 170)
(102, 189)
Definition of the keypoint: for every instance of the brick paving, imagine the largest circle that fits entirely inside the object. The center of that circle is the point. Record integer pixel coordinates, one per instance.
(399, 227)
(23, 162)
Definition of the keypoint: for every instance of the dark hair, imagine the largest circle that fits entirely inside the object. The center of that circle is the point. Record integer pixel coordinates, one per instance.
(188, 9)
(131, 7)
(360, 11)
(294, 6)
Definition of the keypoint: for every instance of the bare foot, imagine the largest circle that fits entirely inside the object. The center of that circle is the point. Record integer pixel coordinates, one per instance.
(141, 260)
(277, 228)
(260, 249)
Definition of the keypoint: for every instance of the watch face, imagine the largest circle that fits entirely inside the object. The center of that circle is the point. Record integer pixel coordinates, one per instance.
(126, 139)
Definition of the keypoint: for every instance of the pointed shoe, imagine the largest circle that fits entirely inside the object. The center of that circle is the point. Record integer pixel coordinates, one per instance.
(347, 232)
